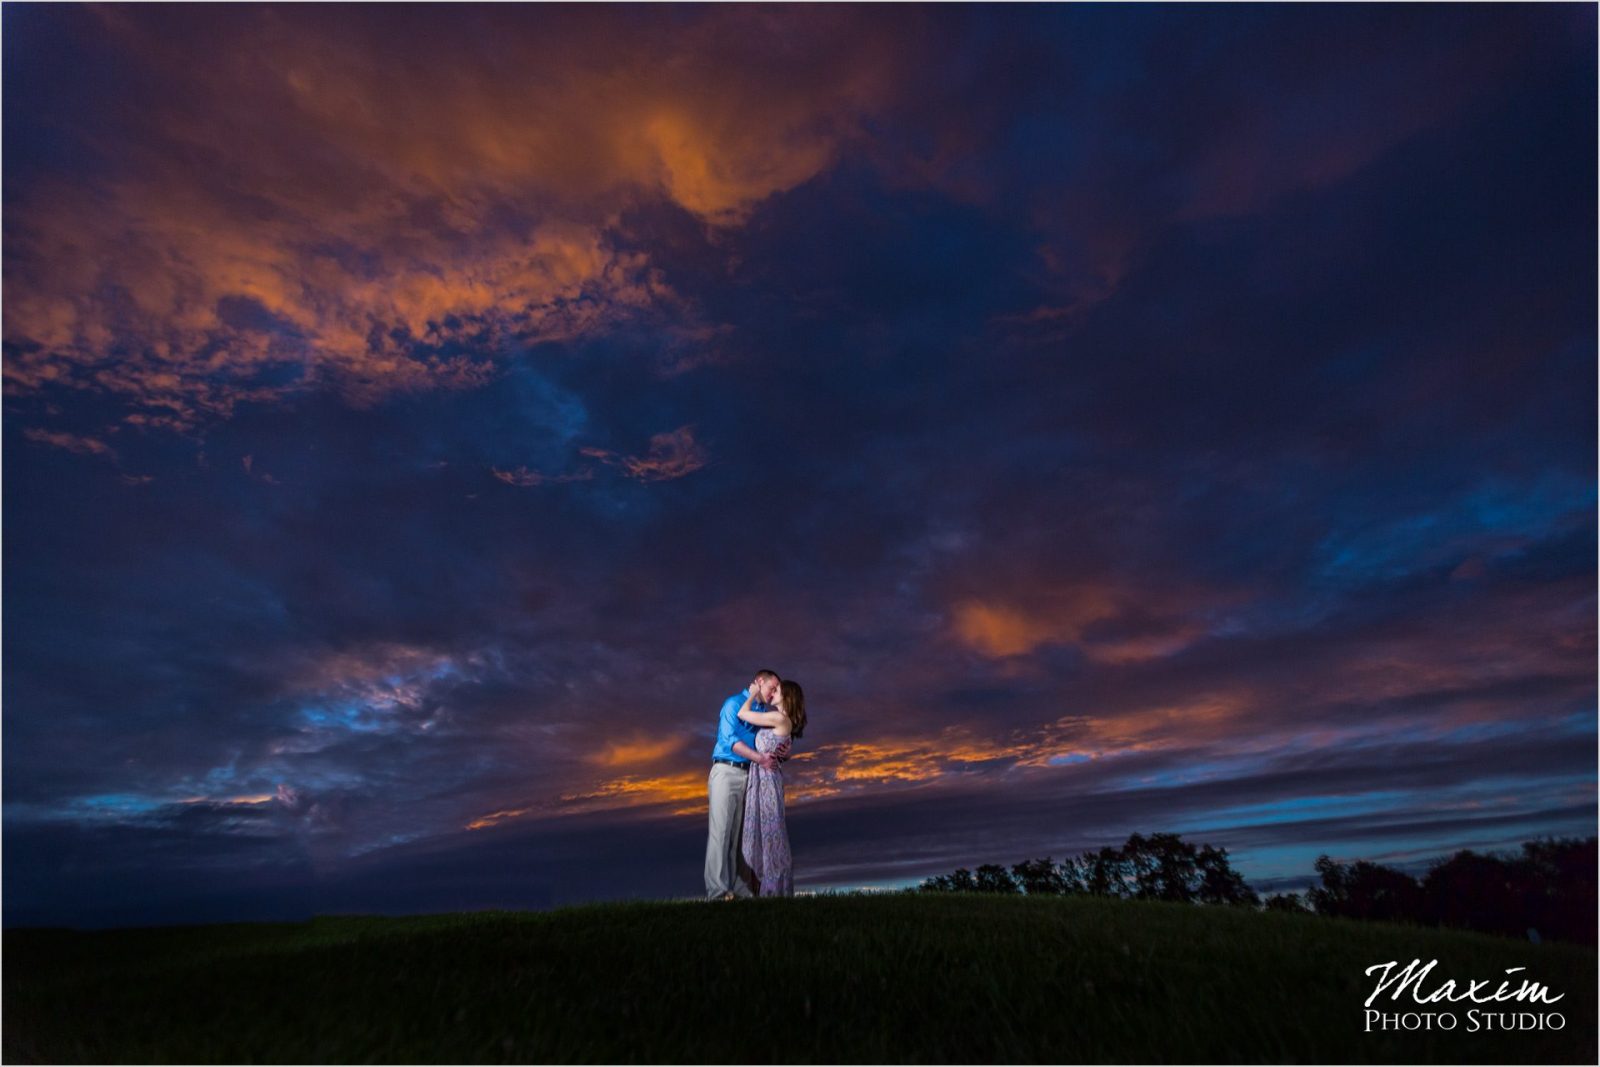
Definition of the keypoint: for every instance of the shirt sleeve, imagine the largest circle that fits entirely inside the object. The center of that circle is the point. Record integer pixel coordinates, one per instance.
(727, 730)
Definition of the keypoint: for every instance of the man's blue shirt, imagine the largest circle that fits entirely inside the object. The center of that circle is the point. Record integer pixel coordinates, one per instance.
(731, 728)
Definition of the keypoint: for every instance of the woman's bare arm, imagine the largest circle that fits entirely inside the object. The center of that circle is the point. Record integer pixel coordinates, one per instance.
(762, 718)
(759, 718)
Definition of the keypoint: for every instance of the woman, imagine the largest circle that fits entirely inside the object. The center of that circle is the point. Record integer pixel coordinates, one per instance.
(766, 838)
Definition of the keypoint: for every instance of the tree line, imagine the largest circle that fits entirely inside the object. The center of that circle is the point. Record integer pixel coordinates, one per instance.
(1545, 891)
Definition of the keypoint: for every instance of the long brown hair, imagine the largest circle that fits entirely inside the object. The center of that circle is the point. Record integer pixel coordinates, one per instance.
(794, 703)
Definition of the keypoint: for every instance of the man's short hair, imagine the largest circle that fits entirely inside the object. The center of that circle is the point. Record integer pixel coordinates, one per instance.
(764, 673)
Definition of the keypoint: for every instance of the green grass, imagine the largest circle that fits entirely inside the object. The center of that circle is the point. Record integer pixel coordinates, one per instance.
(930, 978)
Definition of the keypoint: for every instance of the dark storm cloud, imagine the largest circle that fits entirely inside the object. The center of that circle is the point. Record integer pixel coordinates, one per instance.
(1116, 418)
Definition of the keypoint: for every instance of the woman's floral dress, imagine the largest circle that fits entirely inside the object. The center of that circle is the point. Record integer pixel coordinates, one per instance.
(766, 838)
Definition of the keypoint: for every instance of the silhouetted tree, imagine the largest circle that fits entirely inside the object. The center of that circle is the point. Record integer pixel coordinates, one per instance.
(1071, 877)
(1366, 890)
(1550, 887)
(959, 882)
(1476, 892)
(1163, 867)
(1040, 877)
(1289, 902)
(1557, 887)
(993, 878)
(1105, 873)
(1219, 882)
(1075, 873)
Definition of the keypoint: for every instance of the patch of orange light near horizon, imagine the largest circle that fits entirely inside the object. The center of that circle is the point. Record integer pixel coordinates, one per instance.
(253, 798)
(842, 768)
(637, 750)
(496, 817)
(846, 767)
(662, 789)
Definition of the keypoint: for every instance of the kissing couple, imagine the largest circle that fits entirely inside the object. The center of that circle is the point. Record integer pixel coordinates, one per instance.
(747, 852)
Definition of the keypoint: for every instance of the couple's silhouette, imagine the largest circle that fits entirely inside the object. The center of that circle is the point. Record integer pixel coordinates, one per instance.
(747, 850)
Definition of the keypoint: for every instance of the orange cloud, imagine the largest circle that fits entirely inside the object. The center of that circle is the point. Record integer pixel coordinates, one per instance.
(1000, 629)
(524, 477)
(1204, 718)
(671, 455)
(300, 197)
(997, 630)
(686, 790)
(954, 751)
(879, 763)
(256, 798)
(828, 770)
(641, 790)
(637, 750)
(1139, 649)
(1110, 624)
(493, 818)
(88, 446)
(882, 762)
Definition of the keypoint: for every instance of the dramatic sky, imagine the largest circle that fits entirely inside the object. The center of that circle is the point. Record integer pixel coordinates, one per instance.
(1118, 418)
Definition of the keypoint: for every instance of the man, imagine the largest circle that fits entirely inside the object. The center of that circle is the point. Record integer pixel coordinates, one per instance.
(730, 768)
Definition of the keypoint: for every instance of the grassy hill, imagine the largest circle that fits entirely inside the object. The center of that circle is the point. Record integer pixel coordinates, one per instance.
(931, 978)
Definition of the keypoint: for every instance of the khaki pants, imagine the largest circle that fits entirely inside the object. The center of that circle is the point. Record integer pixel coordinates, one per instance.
(726, 870)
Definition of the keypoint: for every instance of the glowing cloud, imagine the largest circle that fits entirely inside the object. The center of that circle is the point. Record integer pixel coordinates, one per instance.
(302, 198)
(671, 455)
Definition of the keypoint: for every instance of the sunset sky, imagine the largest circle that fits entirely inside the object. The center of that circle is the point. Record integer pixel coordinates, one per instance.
(1118, 418)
